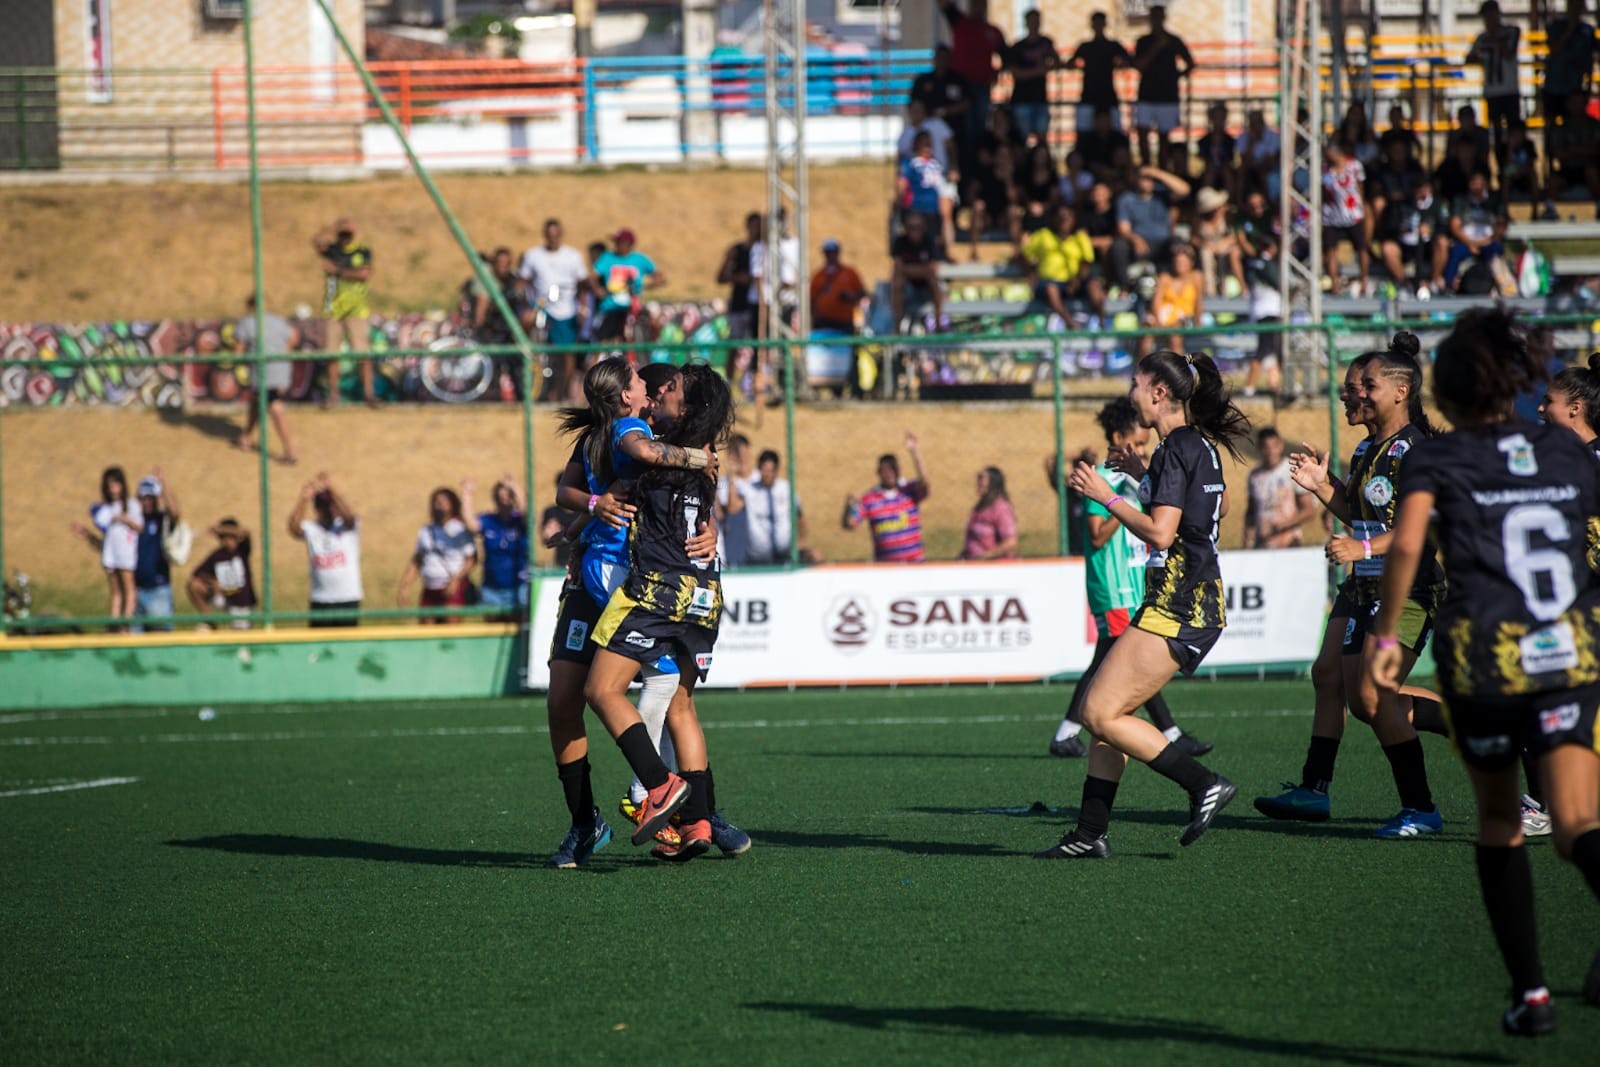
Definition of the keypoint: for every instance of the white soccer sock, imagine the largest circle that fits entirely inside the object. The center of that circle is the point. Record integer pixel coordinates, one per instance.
(1067, 729)
(1172, 733)
(654, 700)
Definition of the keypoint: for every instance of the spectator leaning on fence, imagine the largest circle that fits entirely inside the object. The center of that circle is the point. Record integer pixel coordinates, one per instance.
(554, 275)
(346, 272)
(891, 510)
(323, 519)
(1163, 61)
(1495, 50)
(767, 498)
(223, 581)
(1099, 58)
(992, 526)
(1030, 60)
(279, 336)
(504, 532)
(1277, 508)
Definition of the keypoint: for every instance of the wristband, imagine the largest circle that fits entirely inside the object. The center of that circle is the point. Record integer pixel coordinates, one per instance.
(696, 459)
(1115, 499)
(593, 500)
(1382, 643)
(1366, 548)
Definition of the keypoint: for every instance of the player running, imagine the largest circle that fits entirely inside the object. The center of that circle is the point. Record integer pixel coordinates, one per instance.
(1184, 399)
(1114, 577)
(1517, 649)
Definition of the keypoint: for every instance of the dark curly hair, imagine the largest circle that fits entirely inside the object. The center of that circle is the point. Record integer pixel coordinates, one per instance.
(1119, 416)
(706, 422)
(1582, 384)
(1483, 365)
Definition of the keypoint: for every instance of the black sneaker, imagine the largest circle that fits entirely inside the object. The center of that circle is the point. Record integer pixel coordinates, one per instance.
(1530, 1016)
(1076, 846)
(1192, 746)
(1070, 747)
(1204, 806)
(1591, 984)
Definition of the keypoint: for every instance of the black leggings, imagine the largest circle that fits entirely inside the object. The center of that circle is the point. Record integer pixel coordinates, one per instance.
(1155, 707)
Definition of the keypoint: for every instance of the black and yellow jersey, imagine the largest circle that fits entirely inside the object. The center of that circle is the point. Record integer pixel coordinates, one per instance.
(1511, 505)
(1373, 499)
(345, 297)
(1185, 582)
(664, 581)
(1593, 528)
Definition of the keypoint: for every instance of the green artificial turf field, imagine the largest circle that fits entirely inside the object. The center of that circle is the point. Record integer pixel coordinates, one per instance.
(364, 884)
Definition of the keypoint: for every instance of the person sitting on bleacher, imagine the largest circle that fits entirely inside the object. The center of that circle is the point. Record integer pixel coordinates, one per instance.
(916, 271)
(1144, 221)
(1258, 149)
(1574, 148)
(1399, 130)
(1100, 221)
(1098, 145)
(1059, 258)
(924, 190)
(1450, 178)
(1412, 235)
(1477, 232)
(1519, 169)
(1217, 242)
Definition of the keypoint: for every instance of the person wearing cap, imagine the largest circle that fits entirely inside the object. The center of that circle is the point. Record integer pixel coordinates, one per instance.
(152, 577)
(324, 521)
(223, 580)
(1221, 256)
(346, 270)
(279, 335)
(622, 275)
(836, 292)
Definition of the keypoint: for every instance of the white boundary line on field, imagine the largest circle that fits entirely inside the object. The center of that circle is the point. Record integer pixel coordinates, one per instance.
(67, 787)
(518, 730)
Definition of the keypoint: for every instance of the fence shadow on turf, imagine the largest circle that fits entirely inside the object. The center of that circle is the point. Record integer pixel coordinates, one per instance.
(1240, 820)
(798, 839)
(345, 848)
(1011, 1021)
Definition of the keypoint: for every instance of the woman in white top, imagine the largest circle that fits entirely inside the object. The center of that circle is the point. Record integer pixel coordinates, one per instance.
(446, 551)
(325, 522)
(117, 521)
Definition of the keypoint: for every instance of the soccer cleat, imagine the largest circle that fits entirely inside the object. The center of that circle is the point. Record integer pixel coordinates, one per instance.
(1535, 820)
(1193, 746)
(1591, 982)
(728, 837)
(1411, 823)
(579, 844)
(1204, 806)
(667, 835)
(1530, 1016)
(658, 806)
(695, 840)
(1069, 748)
(1077, 846)
(1297, 803)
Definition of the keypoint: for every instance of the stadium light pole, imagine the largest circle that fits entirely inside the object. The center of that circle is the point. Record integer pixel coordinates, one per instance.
(258, 347)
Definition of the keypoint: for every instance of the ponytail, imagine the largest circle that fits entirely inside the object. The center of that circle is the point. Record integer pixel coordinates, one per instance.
(1195, 381)
(1582, 384)
(603, 386)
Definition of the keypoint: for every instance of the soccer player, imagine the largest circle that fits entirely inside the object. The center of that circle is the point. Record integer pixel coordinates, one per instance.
(1114, 575)
(1507, 503)
(669, 602)
(1184, 399)
(1391, 397)
(1573, 400)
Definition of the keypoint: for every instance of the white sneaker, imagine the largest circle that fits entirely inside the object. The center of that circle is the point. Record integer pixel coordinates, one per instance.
(1535, 821)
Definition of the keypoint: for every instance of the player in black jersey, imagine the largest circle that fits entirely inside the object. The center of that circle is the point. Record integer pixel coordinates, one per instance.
(669, 603)
(1519, 631)
(1184, 399)
(1572, 399)
(1389, 390)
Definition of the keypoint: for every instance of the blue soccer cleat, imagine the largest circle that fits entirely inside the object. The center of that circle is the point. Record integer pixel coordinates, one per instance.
(1296, 803)
(1411, 823)
(580, 844)
(728, 837)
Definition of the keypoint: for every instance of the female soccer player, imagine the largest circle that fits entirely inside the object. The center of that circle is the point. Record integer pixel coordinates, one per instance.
(668, 603)
(1114, 577)
(1184, 399)
(1573, 400)
(1391, 387)
(1517, 630)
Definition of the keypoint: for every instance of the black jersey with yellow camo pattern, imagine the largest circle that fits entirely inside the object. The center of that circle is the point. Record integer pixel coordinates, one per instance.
(1373, 496)
(663, 580)
(1185, 581)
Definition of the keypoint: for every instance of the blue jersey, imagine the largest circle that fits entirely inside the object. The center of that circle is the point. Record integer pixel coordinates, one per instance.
(152, 571)
(505, 550)
(926, 179)
(605, 556)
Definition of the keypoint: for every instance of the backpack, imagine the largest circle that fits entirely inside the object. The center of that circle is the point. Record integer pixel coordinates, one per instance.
(177, 541)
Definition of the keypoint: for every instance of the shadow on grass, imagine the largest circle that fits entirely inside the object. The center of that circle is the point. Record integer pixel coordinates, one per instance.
(344, 848)
(1010, 1021)
(1176, 817)
(800, 839)
(1032, 757)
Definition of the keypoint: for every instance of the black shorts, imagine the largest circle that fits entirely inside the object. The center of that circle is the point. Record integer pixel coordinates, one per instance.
(628, 630)
(1332, 235)
(1489, 733)
(319, 623)
(576, 616)
(1269, 346)
(1187, 644)
(1416, 625)
(612, 325)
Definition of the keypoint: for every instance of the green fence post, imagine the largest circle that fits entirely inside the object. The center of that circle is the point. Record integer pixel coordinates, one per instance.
(22, 121)
(1063, 540)
(258, 364)
(1330, 346)
(788, 444)
(528, 492)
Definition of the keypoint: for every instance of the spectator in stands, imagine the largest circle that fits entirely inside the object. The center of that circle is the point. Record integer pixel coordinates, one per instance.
(916, 271)
(554, 278)
(1217, 243)
(836, 292)
(767, 500)
(553, 524)
(223, 581)
(1574, 149)
(1495, 50)
(1519, 169)
(733, 523)
(1396, 176)
(1399, 130)
(1144, 220)
(1059, 259)
(1039, 188)
(1163, 61)
(624, 273)
(489, 324)
(1102, 144)
(1344, 214)
(787, 249)
(504, 533)
(1216, 150)
(992, 526)
(324, 520)
(590, 298)
(346, 271)
(1451, 177)
(152, 578)
(1567, 66)
(1257, 234)
(117, 519)
(1099, 58)
(1258, 148)
(1178, 299)
(995, 200)
(1277, 508)
(1030, 61)
(924, 190)
(1478, 224)
(1100, 221)
(279, 336)
(975, 48)
(1467, 129)
(1076, 180)
(1355, 132)
(1412, 236)
(919, 121)
(443, 557)
(891, 510)
(735, 272)
(941, 91)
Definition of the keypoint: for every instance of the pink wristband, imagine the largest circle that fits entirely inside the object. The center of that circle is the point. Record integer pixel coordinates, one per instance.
(593, 500)
(1117, 499)
(1381, 643)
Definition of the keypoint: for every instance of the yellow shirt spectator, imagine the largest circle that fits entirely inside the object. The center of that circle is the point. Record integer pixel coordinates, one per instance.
(1057, 258)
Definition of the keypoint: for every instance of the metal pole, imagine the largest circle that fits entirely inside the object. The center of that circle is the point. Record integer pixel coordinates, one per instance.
(1063, 540)
(1331, 348)
(788, 444)
(260, 367)
(22, 120)
(528, 491)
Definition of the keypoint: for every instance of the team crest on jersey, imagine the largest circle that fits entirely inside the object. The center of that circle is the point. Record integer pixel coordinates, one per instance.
(1520, 459)
(577, 633)
(1144, 490)
(1399, 448)
(1361, 448)
(1379, 492)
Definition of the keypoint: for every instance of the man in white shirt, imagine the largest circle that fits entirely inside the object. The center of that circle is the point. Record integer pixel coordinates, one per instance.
(918, 120)
(552, 276)
(1495, 50)
(1277, 508)
(766, 501)
(333, 547)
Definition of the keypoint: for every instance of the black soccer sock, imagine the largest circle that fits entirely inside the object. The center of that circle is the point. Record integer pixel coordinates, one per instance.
(1410, 770)
(1160, 714)
(1317, 774)
(711, 791)
(1530, 771)
(697, 807)
(1586, 857)
(1182, 768)
(1507, 884)
(1094, 815)
(1428, 716)
(642, 756)
(575, 785)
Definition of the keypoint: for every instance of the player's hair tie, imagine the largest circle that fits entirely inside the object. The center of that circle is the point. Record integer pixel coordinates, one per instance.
(1188, 360)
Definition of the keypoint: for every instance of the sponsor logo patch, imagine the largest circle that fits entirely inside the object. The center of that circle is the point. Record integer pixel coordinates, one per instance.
(1379, 492)
(1520, 459)
(1399, 448)
(1489, 746)
(639, 640)
(1558, 720)
(849, 622)
(702, 661)
(1550, 649)
(577, 634)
